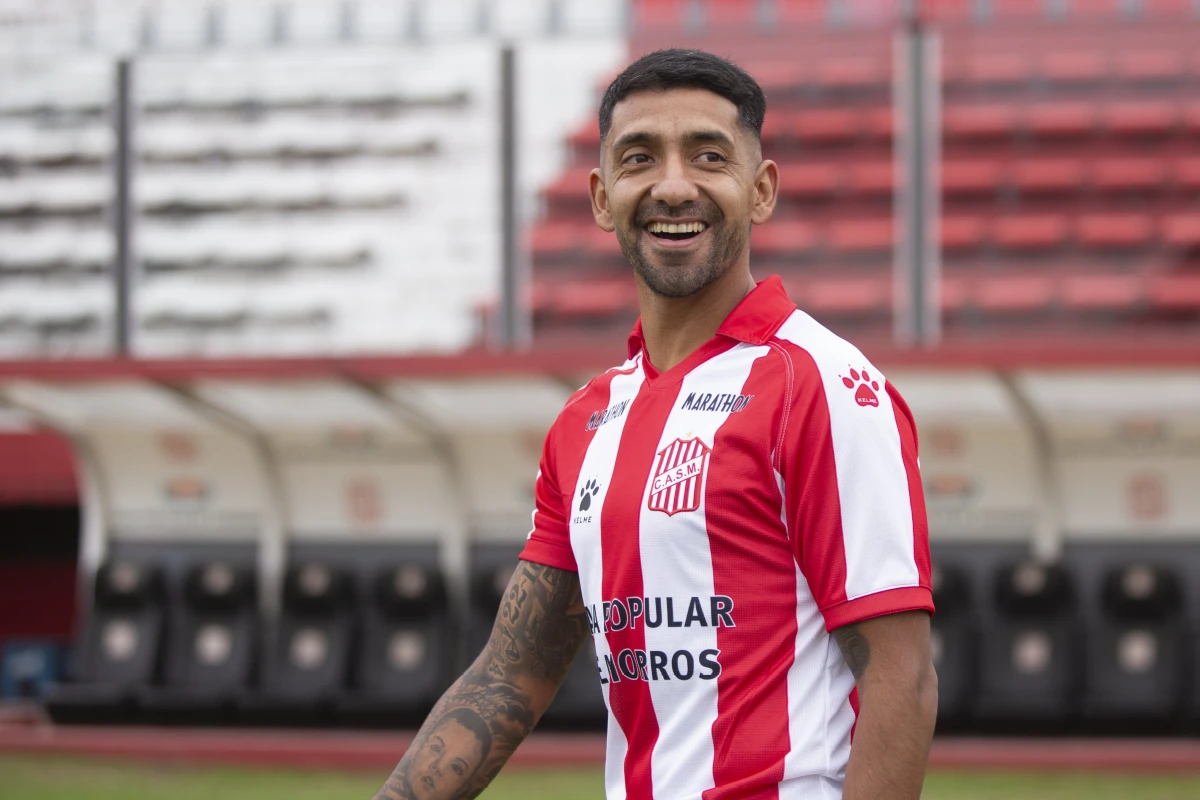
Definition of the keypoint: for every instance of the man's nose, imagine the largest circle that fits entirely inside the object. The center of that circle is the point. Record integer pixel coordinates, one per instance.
(674, 188)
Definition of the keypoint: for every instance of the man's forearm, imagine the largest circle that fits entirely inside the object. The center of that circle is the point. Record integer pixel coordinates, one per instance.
(496, 706)
(897, 692)
(891, 746)
(480, 720)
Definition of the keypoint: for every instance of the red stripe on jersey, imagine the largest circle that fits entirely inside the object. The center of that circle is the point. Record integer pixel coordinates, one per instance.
(620, 530)
(817, 531)
(854, 707)
(916, 495)
(752, 561)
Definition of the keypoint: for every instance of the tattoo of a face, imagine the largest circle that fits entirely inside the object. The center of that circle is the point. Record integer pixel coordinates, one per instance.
(482, 718)
(855, 649)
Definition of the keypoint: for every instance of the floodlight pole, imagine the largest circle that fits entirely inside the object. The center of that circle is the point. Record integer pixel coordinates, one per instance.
(916, 98)
(123, 212)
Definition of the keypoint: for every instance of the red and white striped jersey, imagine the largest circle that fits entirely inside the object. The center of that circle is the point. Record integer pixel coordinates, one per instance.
(723, 517)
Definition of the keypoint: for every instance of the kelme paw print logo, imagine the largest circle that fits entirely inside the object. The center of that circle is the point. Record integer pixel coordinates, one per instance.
(587, 493)
(864, 395)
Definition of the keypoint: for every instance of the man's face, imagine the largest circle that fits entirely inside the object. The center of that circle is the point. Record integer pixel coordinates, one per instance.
(680, 183)
(439, 772)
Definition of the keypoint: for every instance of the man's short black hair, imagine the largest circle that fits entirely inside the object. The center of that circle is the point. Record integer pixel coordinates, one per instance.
(688, 69)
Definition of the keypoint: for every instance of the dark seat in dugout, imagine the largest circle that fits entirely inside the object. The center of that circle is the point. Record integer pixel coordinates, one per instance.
(211, 645)
(579, 702)
(1029, 658)
(306, 663)
(953, 641)
(405, 658)
(1137, 647)
(121, 648)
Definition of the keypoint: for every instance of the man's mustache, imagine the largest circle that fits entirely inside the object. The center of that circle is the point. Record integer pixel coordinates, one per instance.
(707, 214)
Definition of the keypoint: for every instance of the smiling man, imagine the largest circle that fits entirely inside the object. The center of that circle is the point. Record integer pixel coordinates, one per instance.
(734, 514)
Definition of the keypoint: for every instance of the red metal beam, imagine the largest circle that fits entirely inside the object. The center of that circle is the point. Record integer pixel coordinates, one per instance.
(1003, 354)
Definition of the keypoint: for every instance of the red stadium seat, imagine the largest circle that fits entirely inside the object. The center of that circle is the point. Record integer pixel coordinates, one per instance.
(955, 291)
(570, 186)
(826, 126)
(1150, 66)
(721, 15)
(1015, 293)
(961, 233)
(601, 243)
(1097, 292)
(556, 238)
(1182, 230)
(808, 180)
(1191, 119)
(1127, 174)
(1020, 9)
(997, 68)
(660, 15)
(1114, 230)
(878, 123)
(1094, 9)
(1174, 292)
(1169, 9)
(979, 122)
(1187, 173)
(862, 235)
(776, 77)
(783, 237)
(871, 177)
(1058, 67)
(1047, 176)
(961, 177)
(849, 73)
(594, 298)
(1030, 231)
(1061, 120)
(1140, 119)
(802, 12)
(847, 295)
(587, 135)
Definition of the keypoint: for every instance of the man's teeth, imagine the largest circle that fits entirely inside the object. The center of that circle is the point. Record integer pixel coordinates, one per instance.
(684, 227)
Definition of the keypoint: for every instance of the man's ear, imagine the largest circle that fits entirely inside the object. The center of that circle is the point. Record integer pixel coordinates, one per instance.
(766, 192)
(599, 195)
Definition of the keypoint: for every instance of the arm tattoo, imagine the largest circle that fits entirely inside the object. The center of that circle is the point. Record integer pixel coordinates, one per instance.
(481, 719)
(854, 648)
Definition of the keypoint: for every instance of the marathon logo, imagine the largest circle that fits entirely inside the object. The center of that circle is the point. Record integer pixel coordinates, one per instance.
(598, 418)
(618, 615)
(655, 665)
(724, 402)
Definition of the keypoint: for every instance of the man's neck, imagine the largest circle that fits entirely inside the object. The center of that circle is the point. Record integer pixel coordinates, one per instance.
(675, 327)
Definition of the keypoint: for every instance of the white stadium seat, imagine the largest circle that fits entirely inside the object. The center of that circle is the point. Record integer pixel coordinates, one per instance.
(383, 21)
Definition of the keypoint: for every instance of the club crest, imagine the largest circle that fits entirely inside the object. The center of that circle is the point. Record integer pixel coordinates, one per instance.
(678, 477)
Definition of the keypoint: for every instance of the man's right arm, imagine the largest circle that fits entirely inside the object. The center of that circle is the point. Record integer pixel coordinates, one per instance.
(480, 720)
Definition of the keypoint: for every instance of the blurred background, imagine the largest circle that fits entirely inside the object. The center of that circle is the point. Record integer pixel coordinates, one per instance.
(291, 291)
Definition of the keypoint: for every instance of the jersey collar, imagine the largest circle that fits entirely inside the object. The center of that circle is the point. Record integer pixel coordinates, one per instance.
(754, 320)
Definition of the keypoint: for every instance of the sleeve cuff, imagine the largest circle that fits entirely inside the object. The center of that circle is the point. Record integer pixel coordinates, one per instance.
(548, 553)
(889, 601)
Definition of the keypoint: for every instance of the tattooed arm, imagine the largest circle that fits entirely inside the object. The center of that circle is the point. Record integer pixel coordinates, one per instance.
(897, 693)
(481, 719)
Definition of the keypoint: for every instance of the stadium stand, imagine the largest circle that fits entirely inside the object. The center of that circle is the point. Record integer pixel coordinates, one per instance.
(300, 192)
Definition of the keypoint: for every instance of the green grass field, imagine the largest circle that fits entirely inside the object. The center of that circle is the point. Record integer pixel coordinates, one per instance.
(59, 779)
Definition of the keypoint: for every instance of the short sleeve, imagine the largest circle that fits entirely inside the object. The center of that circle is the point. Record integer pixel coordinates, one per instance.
(549, 542)
(852, 487)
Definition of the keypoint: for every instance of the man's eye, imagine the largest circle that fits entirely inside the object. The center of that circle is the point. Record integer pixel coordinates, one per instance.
(638, 158)
(711, 158)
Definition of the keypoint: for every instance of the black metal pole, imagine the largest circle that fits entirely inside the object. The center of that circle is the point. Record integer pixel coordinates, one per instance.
(124, 215)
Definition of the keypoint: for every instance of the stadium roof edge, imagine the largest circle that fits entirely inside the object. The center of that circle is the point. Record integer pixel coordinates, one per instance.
(997, 355)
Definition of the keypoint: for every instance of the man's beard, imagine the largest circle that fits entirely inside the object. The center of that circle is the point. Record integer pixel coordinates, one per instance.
(683, 279)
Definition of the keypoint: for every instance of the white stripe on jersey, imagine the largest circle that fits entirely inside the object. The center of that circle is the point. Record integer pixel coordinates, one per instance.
(677, 563)
(871, 478)
(598, 463)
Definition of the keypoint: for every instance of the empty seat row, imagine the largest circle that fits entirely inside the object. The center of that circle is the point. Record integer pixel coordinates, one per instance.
(374, 648)
(827, 294)
(1044, 647)
(1104, 232)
